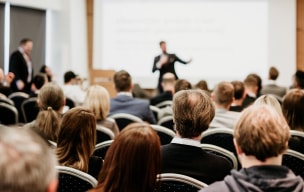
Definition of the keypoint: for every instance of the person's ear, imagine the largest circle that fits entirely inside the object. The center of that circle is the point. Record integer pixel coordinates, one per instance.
(237, 147)
(52, 186)
(213, 96)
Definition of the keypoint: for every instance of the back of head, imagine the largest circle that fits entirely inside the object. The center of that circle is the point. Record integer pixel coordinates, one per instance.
(261, 132)
(253, 81)
(132, 161)
(270, 101)
(182, 84)
(122, 80)
(51, 102)
(293, 109)
(273, 73)
(98, 101)
(239, 89)
(76, 138)
(39, 80)
(202, 84)
(27, 164)
(24, 41)
(192, 111)
(223, 94)
(299, 77)
(69, 76)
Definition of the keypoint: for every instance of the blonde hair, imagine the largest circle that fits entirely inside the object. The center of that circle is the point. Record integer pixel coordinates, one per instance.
(261, 132)
(76, 138)
(270, 101)
(98, 101)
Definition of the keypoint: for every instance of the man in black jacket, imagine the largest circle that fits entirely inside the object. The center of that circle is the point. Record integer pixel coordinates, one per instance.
(165, 64)
(21, 65)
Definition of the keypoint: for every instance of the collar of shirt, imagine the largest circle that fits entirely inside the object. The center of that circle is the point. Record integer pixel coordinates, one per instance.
(125, 93)
(186, 141)
(21, 50)
(251, 94)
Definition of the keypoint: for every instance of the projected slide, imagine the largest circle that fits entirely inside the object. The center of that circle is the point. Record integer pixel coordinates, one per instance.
(227, 39)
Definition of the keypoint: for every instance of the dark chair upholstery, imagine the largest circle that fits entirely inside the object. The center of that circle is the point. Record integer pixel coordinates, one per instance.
(8, 114)
(124, 119)
(294, 161)
(102, 148)
(30, 109)
(18, 98)
(73, 180)
(165, 135)
(221, 152)
(172, 182)
(103, 134)
(167, 121)
(70, 103)
(296, 141)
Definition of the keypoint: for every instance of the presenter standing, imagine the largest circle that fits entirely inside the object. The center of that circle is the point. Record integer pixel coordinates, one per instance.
(165, 64)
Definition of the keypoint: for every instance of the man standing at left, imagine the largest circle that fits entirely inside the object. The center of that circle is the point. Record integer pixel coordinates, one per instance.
(21, 65)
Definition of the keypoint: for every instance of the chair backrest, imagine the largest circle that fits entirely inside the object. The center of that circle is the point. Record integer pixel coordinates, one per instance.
(156, 112)
(6, 100)
(221, 152)
(30, 109)
(18, 98)
(102, 148)
(70, 103)
(296, 141)
(165, 134)
(124, 119)
(8, 114)
(294, 161)
(103, 134)
(167, 121)
(73, 180)
(52, 144)
(164, 104)
(179, 183)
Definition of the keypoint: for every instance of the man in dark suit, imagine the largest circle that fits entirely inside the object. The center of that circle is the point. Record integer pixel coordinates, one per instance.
(124, 101)
(272, 87)
(192, 111)
(21, 65)
(165, 63)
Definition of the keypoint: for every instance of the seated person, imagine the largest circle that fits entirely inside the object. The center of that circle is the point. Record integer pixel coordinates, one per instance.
(38, 81)
(168, 82)
(124, 101)
(72, 88)
(76, 141)
(193, 111)
(182, 84)
(252, 85)
(260, 138)
(27, 163)
(239, 96)
(272, 87)
(5, 82)
(223, 96)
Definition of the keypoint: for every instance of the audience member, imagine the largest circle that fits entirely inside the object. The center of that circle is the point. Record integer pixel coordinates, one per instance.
(20, 64)
(46, 70)
(272, 87)
(76, 141)
(132, 161)
(192, 111)
(269, 100)
(5, 82)
(252, 86)
(38, 81)
(168, 82)
(72, 88)
(239, 96)
(98, 101)
(51, 101)
(182, 84)
(124, 101)
(27, 163)
(261, 138)
(223, 96)
(203, 85)
(298, 80)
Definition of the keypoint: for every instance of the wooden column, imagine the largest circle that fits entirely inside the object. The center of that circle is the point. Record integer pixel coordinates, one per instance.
(300, 34)
(90, 9)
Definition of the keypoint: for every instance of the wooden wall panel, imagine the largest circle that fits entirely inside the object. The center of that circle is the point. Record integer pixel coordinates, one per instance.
(300, 34)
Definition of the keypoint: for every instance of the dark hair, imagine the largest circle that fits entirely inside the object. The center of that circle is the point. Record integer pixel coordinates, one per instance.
(273, 73)
(299, 77)
(122, 80)
(39, 80)
(76, 138)
(132, 161)
(203, 85)
(68, 76)
(43, 70)
(192, 111)
(25, 40)
(239, 89)
(182, 84)
(293, 110)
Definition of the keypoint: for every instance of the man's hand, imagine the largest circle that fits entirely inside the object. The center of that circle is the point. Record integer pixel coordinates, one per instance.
(20, 84)
(9, 77)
